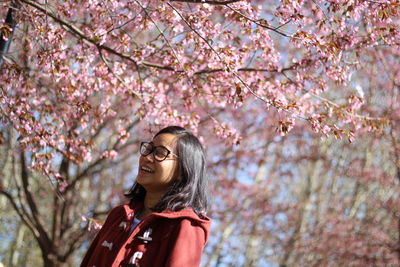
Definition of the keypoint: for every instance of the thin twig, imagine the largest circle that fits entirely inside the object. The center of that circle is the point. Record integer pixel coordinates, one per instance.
(210, 2)
(116, 75)
(161, 32)
(267, 101)
(283, 24)
(78, 33)
(263, 25)
(323, 99)
(227, 68)
(322, 10)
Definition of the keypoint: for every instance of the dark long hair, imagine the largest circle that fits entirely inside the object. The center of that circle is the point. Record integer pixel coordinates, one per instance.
(191, 189)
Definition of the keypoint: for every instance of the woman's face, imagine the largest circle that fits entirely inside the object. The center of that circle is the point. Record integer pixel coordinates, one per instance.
(157, 176)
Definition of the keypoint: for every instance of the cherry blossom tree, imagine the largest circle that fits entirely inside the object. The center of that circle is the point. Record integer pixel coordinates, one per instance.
(260, 81)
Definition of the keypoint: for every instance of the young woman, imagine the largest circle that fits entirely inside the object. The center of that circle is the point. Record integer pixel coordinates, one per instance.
(165, 223)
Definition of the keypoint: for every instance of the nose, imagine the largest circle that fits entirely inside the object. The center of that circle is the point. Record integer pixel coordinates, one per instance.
(149, 157)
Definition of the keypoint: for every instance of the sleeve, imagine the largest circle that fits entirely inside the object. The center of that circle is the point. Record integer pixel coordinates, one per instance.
(110, 218)
(187, 243)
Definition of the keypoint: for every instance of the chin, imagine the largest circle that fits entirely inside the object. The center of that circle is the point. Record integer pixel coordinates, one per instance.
(141, 180)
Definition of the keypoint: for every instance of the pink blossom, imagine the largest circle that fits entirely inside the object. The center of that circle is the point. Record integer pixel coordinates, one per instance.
(111, 154)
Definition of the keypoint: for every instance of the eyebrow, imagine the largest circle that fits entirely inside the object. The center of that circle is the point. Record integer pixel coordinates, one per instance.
(170, 149)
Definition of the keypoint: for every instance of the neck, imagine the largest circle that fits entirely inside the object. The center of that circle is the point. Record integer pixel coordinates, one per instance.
(151, 199)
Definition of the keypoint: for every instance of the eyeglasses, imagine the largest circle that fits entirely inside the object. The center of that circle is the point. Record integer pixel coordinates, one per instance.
(160, 153)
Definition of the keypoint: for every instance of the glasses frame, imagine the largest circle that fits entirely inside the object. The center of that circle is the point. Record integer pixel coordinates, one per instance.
(153, 151)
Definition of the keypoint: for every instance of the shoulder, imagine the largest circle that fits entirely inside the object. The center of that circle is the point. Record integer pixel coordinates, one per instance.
(122, 212)
(118, 210)
(112, 216)
(186, 222)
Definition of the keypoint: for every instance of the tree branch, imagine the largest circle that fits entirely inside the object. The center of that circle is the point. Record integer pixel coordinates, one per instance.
(78, 33)
(43, 236)
(333, 104)
(227, 68)
(25, 185)
(27, 221)
(161, 32)
(75, 240)
(262, 24)
(210, 2)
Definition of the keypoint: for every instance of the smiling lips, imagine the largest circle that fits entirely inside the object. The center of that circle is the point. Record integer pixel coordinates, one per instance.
(146, 169)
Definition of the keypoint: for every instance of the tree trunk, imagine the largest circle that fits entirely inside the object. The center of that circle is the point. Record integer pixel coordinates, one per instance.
(302, 220)
(16, 245)
(51, 260)
(250, 253)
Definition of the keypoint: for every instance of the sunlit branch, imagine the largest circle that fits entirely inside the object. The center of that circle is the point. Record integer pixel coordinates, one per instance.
(120, 79)
(227, 68)
(322, 10)
(269, 102)
(78, 33)
(122, 25)
(333, 104)
(127, 129)
(246, 70)
(283, 24)
(161, 33)
(263, 25)
(210, 2)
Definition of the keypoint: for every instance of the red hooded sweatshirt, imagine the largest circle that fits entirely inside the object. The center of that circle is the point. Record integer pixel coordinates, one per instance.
(165, 239)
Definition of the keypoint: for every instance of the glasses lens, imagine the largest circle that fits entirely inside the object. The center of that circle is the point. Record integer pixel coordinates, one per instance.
(145, 149)
(160, 153)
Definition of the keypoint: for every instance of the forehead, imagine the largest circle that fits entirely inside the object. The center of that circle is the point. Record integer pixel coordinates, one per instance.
(168, 140)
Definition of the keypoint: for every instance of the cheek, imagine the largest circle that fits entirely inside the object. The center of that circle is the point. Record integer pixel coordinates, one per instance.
(176, 172)
(170, 171)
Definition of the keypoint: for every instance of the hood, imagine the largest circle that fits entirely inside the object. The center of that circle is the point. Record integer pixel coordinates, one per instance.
(186, 213)
(189, 214)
